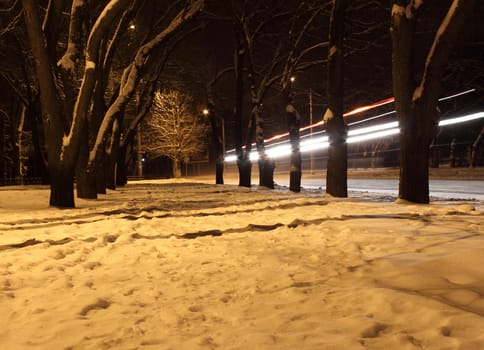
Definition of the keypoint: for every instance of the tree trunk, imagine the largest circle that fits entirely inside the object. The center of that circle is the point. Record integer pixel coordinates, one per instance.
(61, 166)
(62, 189)
(244, 164)
(85, 184)
(219, 171)
(266, 164)
(124, 157)
(337, 168)
(100, 172)
(112, 153)
(110, 172)
(293, 122)
(218, 143)
(414, 161)
(177, 169)
(245, 170)
(85, 178)
(266, 172)
(121, 174)
(416, 105)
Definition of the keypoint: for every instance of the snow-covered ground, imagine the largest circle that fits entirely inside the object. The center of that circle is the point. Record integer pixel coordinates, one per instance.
(190, 265)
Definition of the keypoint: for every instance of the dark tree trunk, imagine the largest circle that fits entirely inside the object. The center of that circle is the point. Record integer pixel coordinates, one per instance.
(100, 173)
(61, 168)
(416, 104)
(219, 171)
(85, 178)
(112, 156)
(218, 143)
(123, 160)
(294, 122)
(40, 161)
(336, 178)
(414, 161)
(244, 164)
(85, 183)
(121, 174)
(266, 164)
(62, 189)
(337, 168)
(245, 170)
(110, 172)
(266, 172)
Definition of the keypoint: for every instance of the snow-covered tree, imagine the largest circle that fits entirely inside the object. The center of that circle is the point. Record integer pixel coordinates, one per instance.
(416, 101)
(68, 96)
(174, 129)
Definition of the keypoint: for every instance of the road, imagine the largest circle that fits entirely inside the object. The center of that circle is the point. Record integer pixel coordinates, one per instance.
(440, 188)
(449, 189)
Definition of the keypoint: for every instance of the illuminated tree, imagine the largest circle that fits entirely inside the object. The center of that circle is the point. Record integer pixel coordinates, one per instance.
(174, 129)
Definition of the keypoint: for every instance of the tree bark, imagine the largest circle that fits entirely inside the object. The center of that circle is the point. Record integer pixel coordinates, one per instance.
(416, 105)
(294, 123)
(61, 166)
(62, 189)
(414, 160)
(218, 143)
(337, 168)
(266, 164)
(121, 173)
(244, 164)
(177, 168)
(85, 180)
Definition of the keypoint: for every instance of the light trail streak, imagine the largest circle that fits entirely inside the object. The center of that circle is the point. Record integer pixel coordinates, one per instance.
(283, 148)
(463, 119)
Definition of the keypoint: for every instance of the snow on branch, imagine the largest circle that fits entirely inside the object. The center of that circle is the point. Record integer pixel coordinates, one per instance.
(133, 72)
(98, 32)
(445, 38)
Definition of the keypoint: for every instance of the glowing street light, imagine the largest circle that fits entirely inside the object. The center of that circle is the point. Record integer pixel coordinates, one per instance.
(205, 112)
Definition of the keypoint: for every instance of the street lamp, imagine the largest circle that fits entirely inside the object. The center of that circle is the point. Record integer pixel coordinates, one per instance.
(205, 112)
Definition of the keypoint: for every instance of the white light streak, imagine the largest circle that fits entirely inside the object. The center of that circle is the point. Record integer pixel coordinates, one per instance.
(462, 119)
(230, 159)
(314, 147)
(373, 128)
(313, 141)
(457, 95)
(373, 135)
(279, 151)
